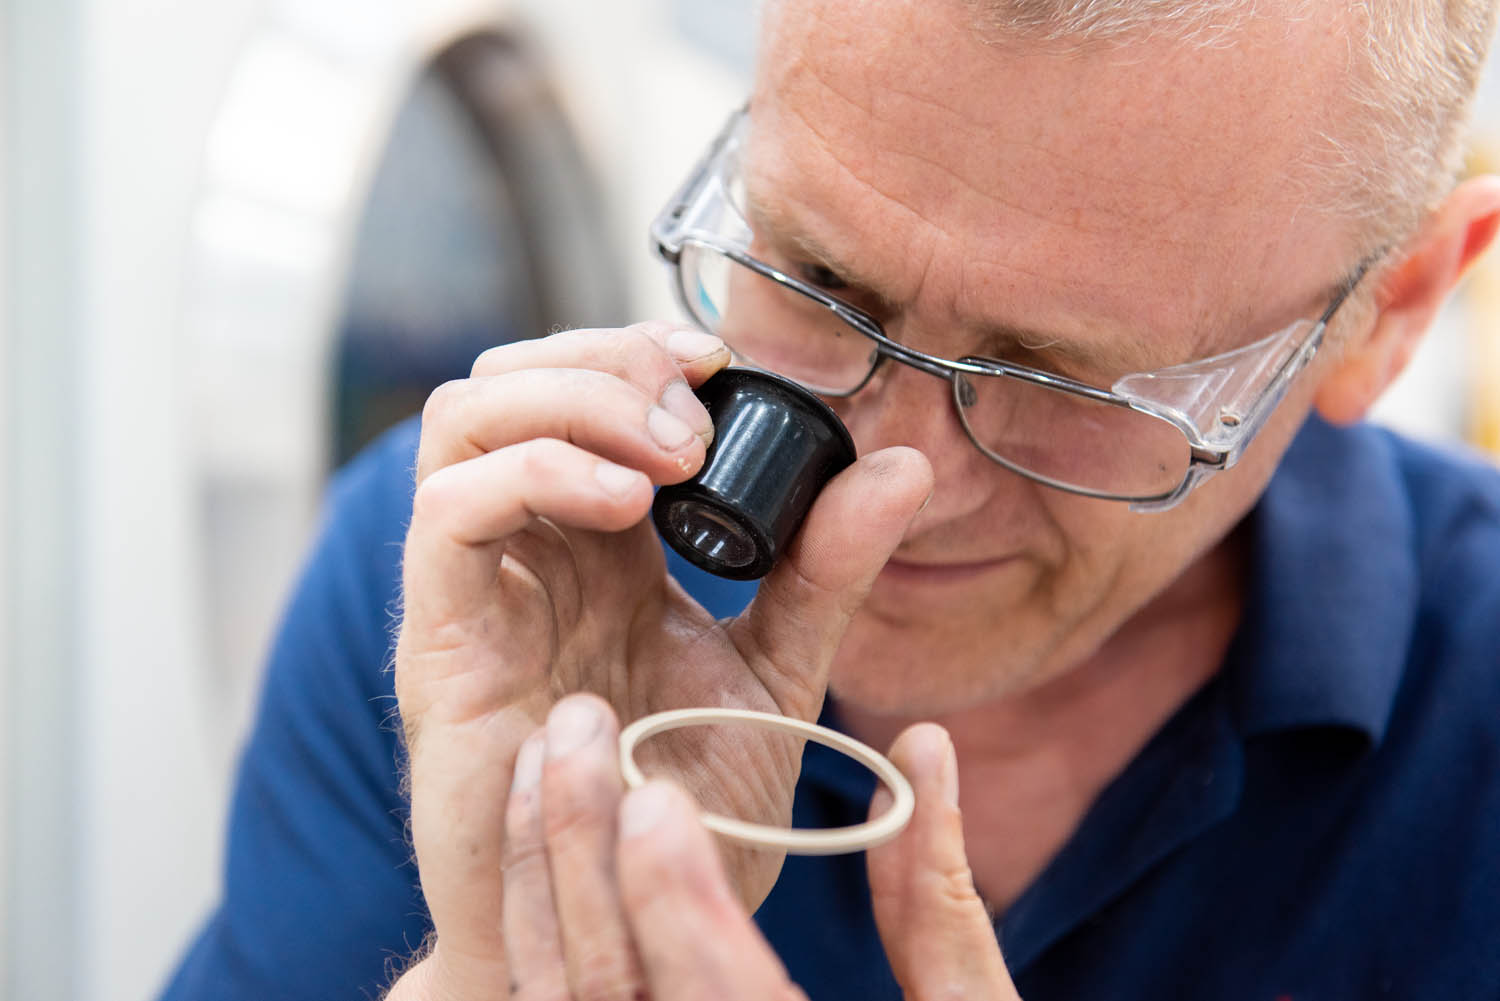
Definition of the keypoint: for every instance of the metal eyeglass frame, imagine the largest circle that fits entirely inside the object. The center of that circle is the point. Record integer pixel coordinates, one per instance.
(1218, 403)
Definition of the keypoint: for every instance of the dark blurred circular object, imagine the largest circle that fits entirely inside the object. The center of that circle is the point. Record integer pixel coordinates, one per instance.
(775, 447)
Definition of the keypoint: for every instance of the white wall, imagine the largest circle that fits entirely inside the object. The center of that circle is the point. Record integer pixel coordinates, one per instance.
(6, 667)
(40, 396)
(166, 303)
(152, 769)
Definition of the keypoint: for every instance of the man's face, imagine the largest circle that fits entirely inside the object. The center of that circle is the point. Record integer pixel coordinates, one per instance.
(1093, 213)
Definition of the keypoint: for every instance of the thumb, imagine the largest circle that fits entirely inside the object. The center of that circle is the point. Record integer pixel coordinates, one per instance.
(792, 628)
(935, 929)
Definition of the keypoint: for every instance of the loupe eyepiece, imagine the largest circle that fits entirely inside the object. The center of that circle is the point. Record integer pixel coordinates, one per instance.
(775, 447)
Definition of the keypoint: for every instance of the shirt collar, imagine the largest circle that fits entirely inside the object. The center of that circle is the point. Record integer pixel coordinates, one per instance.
(1331, 604)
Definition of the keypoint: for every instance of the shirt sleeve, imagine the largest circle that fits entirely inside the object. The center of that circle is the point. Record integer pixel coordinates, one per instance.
(320, 896)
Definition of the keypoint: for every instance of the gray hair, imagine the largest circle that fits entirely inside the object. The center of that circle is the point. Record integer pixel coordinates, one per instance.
(1415, 65)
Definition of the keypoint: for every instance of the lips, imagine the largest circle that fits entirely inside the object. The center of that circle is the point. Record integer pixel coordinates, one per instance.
(939, 573)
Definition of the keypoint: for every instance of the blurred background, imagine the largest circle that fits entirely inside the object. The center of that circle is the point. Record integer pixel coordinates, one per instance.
(237, 239)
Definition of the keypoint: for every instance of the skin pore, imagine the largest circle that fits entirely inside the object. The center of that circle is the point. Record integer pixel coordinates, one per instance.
(1050, 634)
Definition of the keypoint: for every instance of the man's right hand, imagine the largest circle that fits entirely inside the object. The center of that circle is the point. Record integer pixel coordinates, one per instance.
(531, 571)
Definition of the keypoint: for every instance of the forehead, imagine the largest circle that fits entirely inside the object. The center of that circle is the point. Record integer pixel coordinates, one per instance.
(1142, 186)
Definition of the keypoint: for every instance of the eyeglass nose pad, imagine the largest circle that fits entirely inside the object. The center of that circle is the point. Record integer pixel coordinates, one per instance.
(966, 395)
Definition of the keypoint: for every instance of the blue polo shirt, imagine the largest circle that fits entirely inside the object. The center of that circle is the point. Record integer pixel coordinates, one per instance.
(1320, 821)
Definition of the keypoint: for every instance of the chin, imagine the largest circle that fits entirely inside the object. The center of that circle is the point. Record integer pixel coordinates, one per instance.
(921, 668)
(921, 686)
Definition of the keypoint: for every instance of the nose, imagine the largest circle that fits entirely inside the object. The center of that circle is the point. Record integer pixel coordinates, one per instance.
(902, 406)
(905, 406)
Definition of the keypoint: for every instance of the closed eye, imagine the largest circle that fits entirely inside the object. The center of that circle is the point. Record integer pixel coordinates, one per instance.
(820, 276)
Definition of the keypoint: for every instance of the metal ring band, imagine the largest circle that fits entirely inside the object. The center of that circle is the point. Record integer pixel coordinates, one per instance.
(832, 841)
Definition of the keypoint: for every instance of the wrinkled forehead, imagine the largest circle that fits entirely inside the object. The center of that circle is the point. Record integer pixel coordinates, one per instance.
(1149, 163)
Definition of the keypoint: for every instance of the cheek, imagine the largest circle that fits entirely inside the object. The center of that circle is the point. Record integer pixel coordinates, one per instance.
(1114, 562)
(1098, 537)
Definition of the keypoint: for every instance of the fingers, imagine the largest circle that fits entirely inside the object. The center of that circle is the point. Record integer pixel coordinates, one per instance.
(533, 941)
(608, 899)
(696, 354)
(466, 701)
(798, 617)
(936, 931)
(572, 428)
(662, 432)
(580, 808)
(564, 925)
(461, 515)
(695, 939)
(621, 393)
(611, 900)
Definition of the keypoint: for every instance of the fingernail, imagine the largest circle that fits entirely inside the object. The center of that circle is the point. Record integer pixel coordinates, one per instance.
(679, 400)
(572, 724)
(644, 809)
(667, 431)
(616, 480)
(690, 345)
(528, 764)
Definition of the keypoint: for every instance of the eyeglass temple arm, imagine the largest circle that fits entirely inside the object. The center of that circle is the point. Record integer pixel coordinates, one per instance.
(1212, 458)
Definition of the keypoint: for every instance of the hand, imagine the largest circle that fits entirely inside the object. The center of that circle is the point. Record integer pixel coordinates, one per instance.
(530, 572)
(627, 898)
(936, 931)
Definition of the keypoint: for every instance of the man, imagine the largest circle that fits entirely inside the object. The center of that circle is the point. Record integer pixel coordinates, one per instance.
(1215, 718)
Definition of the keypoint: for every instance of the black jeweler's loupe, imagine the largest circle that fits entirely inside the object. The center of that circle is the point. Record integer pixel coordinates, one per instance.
(775, 446)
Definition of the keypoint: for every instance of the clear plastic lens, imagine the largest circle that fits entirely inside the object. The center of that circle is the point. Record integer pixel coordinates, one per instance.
(1072, 440)
(1060, 437)
(774, 326)
(716, 537)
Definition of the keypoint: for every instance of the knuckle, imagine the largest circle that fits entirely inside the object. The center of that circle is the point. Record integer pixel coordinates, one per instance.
(523, 822)
(540, 460)
(523, 849)
(634, 342)
(574, 805)
(545, 988)
(443, 401)
(955, 886)
(489, 360)
(657, 331)
(434, 498)
(656, 882)
(643, 359)
(946, 989)
(611, 975)
(645, 890)
(592, 391)
(429, 499)
(656, 872)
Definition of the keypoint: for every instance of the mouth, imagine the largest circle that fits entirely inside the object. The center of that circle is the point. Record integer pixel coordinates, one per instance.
(938, 574)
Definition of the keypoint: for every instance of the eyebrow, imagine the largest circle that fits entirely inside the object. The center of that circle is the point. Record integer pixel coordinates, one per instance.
(1000, 340)
(997, 340)
(777, 224)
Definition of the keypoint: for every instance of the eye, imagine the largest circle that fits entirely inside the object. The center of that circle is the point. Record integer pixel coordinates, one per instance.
(823, 277)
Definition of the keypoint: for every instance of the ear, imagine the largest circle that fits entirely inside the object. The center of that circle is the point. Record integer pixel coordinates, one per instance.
(1409, 297)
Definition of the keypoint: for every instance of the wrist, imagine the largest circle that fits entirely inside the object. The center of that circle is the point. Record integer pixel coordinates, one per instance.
(412, 985)
(431, 978)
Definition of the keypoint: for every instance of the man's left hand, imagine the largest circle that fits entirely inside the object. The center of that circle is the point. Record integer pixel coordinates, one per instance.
(610, 894)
